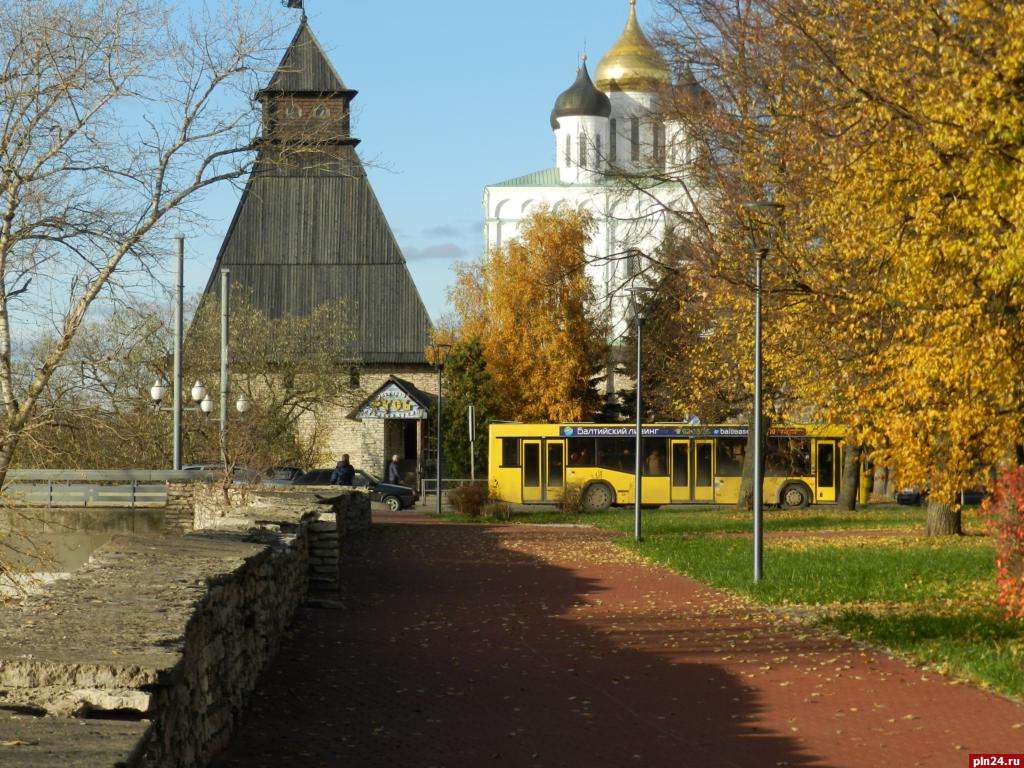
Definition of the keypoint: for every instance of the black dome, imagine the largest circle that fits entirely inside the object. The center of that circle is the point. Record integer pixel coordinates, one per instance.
(581, 100)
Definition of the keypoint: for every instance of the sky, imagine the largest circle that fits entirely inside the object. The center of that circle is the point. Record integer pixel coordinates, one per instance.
(453, 95)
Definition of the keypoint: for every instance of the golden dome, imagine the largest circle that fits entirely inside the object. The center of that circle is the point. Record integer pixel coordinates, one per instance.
(633, 64)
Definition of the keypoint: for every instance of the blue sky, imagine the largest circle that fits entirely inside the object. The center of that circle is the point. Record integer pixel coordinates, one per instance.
(453, 95)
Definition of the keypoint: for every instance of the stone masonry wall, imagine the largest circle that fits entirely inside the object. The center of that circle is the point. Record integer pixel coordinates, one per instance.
(363, 440)
(146, 656)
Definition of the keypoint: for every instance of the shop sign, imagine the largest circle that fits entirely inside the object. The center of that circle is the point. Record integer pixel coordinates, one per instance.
(392, 403)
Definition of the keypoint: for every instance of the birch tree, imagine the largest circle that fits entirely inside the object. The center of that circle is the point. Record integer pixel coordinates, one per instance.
(116, 116)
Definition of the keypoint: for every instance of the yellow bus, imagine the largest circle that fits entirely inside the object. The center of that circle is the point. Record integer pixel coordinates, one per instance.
(681, 463)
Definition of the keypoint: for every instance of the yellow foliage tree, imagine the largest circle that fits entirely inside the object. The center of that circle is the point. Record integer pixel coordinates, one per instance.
(533, 308)
(892, 132)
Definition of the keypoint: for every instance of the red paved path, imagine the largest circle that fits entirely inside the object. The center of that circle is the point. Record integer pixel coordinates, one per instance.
(545, 646)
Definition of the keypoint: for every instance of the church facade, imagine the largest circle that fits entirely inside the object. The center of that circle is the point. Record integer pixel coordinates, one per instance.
(309, 230)
(614, 156)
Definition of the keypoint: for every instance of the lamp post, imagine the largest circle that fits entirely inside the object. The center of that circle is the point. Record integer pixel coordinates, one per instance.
(760, 253)
(224, 330)
(439, 352)
(636, 295)
(179, 323)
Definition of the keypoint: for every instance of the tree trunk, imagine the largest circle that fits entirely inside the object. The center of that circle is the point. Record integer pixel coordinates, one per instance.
(881, 484)
(745, 502)
(943, 520)
(850, 486)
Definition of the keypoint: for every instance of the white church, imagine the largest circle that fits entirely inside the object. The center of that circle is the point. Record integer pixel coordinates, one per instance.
(612, 156)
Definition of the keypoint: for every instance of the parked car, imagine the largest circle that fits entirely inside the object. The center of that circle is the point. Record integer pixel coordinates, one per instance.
(911, 497)
(394, 497)
(239, 474)
(915, 496)
(282, 476)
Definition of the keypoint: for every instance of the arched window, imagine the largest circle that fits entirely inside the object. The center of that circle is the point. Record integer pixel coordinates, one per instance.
(568, 150)
(293, 111)
(583, 150)
(598, 149)
(634, 130)
(614, 138)
(321, 111)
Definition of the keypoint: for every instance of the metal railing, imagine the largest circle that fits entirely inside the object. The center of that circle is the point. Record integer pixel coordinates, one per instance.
(429, 484)
(120, 488)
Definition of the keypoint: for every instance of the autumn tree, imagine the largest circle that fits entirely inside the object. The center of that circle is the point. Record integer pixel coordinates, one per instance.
(890, 133)
(115, 118)
(534, 311)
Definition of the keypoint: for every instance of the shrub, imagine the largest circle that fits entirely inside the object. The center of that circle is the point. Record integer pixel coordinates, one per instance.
(469, 499)
(572, 500)
(1005, 513)
(498, 511)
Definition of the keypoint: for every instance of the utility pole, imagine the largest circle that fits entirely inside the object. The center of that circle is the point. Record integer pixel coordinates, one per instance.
(758, 427)
(225, 288)
(472, 442)
(638, 479)
(179, 322)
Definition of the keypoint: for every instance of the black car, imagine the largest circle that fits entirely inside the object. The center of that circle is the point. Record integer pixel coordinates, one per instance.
(394, 497)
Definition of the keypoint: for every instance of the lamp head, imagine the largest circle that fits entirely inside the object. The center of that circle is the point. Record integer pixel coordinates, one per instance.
(243, 405)
(198, 392)
(206, 406)
(158, 390)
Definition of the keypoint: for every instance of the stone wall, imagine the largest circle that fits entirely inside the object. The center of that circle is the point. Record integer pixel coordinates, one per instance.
(364, 441)
(145, 657)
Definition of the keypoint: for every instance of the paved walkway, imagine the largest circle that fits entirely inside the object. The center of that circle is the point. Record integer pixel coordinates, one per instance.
(549, 646)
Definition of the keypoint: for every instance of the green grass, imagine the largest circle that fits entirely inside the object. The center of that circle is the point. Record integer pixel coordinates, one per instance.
(930, 600)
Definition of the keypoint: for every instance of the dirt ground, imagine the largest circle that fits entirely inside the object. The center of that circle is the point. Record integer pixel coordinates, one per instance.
(457, 645)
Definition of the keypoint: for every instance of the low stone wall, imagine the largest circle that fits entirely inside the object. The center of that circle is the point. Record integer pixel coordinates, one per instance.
(146, 656)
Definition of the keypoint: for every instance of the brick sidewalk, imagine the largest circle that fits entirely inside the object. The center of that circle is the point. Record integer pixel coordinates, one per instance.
(549, 646)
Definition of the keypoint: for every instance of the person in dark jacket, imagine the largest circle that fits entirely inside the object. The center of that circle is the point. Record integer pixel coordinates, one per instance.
(344, 473)
(394, 473)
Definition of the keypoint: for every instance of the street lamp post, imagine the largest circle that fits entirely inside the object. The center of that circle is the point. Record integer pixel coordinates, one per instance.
(179, 322)
(440, 351)
(224, 331)
(636, 295)
(760, 253)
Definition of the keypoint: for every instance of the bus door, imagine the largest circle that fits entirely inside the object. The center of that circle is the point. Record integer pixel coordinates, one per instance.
(704, 470)
(554, 470)
(532, 490)
(680, 463)
(825, 470)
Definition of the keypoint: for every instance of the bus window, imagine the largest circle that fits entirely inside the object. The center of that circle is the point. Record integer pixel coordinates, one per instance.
(556, 468)
(681, 464)
(703, 479)
(730, 456)
(510, 451)
(581, 452)
(616, 453)
(826, 465)
(531, 462)
(787, 457)
(655, 457)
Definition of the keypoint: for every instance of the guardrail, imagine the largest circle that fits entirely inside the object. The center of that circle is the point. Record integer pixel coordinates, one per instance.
(81, 488)
(51, 494)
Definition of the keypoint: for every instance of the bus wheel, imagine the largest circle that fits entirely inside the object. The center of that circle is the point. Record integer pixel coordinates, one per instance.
(597, 497)
(795, 496)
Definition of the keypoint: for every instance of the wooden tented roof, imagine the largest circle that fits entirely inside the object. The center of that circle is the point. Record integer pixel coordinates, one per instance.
(312, 231)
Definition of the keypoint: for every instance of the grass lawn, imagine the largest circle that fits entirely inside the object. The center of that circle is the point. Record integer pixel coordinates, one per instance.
(930, 600)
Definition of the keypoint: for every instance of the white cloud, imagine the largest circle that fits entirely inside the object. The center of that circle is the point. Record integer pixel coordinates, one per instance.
(446, 251)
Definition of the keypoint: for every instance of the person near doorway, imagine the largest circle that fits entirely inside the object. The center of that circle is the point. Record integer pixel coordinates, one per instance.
(394, 473)
(344, 473)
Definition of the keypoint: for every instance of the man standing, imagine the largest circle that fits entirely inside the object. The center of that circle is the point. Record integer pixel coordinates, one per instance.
(344, 473)
(394, 475)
